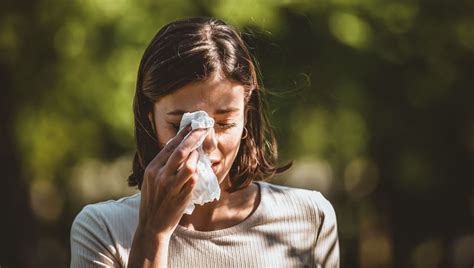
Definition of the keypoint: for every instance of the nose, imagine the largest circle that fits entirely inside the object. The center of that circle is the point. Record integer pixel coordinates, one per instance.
(210, 142)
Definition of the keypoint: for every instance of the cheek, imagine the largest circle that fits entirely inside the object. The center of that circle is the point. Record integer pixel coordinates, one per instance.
(229, 143)
(231, 137)
(164, 136)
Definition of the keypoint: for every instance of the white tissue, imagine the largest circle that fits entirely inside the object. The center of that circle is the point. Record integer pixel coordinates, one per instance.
(207, 187)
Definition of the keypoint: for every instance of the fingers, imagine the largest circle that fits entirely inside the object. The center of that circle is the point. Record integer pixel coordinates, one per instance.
(183, 150)
(187, 189)
(188, 169)
(161, 158)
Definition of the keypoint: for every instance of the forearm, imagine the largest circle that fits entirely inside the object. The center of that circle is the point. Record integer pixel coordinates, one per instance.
(148, 251)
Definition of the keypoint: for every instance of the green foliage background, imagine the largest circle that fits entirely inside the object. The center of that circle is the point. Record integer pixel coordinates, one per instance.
(372, 100)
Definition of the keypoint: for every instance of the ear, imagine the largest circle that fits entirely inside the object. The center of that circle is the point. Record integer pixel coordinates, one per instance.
(246, 113)
(150, 117)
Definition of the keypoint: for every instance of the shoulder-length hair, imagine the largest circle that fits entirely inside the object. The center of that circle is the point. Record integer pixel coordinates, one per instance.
(190, 50)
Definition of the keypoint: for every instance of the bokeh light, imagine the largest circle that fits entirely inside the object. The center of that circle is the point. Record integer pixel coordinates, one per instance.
(350, 29)
(310, 174)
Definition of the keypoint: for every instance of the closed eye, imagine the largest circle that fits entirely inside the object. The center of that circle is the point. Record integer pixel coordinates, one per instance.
(220, 125)
(226, 126)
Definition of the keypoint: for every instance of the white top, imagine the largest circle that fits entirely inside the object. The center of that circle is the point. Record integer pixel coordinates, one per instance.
(291, 227)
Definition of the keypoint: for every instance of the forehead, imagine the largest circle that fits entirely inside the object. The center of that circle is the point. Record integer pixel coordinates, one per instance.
(210, 95)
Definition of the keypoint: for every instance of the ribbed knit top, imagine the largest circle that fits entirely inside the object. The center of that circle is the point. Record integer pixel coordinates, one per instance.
(290, 227)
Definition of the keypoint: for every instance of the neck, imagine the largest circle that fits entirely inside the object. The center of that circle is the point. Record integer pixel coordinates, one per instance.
(230, 209)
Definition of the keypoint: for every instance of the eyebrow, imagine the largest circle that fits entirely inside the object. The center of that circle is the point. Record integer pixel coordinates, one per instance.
(218, 111)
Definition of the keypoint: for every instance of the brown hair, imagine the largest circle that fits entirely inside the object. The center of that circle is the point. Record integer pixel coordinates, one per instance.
(193, 49)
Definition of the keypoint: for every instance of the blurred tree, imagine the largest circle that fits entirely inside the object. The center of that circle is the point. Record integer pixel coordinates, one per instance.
(18, 232)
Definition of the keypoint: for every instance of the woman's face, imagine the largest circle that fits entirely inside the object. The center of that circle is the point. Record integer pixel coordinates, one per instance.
(223, 100)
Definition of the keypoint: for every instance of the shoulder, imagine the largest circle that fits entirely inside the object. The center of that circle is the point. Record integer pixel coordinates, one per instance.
(112, 219)
(312, 216)
(308, 201)
(109, 210)
(102, 232)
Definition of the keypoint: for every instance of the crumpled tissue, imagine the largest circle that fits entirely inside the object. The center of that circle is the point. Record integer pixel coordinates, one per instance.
(207, 187)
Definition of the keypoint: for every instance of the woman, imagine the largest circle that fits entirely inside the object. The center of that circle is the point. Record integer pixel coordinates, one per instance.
(190, 65)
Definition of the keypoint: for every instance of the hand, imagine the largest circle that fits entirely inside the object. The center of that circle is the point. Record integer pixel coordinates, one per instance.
(165, 193)
(168, 182)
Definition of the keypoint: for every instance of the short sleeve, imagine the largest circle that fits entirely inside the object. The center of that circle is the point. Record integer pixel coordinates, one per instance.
(327, 242)
(91, 244)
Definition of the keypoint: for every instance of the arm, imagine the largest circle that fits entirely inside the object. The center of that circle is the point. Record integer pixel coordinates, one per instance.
(148, 251)
(91, 246)
(327, 242)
